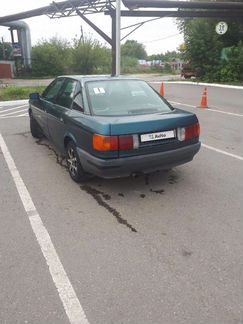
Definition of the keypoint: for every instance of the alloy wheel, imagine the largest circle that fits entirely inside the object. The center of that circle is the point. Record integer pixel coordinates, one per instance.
(72, 162)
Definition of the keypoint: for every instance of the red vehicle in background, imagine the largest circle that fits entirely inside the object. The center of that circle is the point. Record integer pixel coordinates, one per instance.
(188, 71)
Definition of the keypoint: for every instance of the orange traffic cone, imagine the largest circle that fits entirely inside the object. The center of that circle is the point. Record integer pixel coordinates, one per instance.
(204, 101)
(162, 90)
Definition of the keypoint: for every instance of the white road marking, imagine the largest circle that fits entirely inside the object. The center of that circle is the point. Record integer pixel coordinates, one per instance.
(13, 102)
(17, 116)
(207, 109)
(64, 287)
(225, 112)
(14, 112)
(4, 109)
(222, 152)
(179, 103)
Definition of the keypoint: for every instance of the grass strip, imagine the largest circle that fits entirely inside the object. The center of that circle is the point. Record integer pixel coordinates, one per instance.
(18, 93)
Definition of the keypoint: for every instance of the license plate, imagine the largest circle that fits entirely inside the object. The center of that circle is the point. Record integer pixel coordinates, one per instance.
(157, 136)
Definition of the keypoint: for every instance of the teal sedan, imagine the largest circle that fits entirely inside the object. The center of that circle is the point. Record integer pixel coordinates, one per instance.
(112, 126)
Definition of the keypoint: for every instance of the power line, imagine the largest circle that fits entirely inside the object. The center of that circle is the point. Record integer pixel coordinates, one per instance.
(159, 39)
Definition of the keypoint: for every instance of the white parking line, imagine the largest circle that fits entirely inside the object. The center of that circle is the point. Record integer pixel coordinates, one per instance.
(17, 116)
(207, 109)
(4, 109)
(71, 304)
(222, 152)
(14, 112)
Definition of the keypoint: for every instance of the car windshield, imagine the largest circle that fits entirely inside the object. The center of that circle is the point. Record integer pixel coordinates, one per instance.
(123, 98)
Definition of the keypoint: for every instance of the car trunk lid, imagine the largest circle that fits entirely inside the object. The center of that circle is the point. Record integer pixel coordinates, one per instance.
(141, 124)
(155, 132)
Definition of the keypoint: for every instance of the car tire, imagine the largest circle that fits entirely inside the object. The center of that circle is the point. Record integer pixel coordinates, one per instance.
(35, 129)
(74, 166)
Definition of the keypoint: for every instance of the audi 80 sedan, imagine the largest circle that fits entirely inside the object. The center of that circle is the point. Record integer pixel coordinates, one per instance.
(112, 126)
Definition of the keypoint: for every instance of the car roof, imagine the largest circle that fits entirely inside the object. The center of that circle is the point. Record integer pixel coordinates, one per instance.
(86, 78)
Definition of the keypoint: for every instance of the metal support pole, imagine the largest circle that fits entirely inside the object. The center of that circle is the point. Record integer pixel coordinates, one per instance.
(97, 29)
(12, 35)
(118, 37)
(113, 44)
(3, 49)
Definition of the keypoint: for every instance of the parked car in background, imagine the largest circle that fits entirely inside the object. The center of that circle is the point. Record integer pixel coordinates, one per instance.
(112, 126)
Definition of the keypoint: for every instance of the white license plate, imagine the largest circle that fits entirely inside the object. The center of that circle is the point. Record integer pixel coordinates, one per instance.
(157, 136)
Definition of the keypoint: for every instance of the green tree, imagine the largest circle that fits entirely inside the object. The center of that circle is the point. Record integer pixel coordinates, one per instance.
(203, 48)
(155, 57)
(51, 57)
(169, 56)
(89, 56)
(129, 64)
(133, 49)
(5, 51)
(232, 68)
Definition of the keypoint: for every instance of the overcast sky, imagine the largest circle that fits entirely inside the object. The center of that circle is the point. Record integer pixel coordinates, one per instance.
(158, 36)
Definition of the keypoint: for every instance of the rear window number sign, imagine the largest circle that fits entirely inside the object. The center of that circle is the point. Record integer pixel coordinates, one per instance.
(157, 136)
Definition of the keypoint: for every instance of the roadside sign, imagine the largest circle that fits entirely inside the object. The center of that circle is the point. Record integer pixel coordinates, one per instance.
(221, 28)
(17, 50)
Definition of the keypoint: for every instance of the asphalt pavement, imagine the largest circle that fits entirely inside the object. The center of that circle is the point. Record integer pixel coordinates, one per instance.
(164, 248)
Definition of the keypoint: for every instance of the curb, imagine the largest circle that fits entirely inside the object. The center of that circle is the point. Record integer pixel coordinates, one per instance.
(13, 102)
(202, 84)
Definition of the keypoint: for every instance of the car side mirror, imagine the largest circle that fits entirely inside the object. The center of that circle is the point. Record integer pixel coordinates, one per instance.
(34, 96)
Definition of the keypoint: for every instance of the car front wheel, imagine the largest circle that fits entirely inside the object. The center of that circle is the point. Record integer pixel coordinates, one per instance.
(73, 163)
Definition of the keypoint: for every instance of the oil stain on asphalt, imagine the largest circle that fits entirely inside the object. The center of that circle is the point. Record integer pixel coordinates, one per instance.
(186, 253)
(159, 191)
(100, 198)
(61, 160)
(98, 195)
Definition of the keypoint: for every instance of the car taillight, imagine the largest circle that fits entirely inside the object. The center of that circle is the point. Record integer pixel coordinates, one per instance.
(192, 131)
(188, 133)
(105, 143)
(125, 143)
(115, 143)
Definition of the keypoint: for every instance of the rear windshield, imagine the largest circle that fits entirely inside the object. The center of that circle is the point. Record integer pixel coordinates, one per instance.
(123, 98)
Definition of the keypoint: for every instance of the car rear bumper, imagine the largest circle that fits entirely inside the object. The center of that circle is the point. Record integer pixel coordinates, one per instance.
(122, 167)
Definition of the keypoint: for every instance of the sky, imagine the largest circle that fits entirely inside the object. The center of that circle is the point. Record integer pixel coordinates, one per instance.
(157, 36)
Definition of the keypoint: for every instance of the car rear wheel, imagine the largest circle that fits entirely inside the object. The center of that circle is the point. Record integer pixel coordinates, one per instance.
(73, 163)
(35, 128)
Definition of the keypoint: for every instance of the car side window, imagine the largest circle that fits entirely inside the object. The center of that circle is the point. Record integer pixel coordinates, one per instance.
(78, 99)
(52, 90)
(66, 96)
